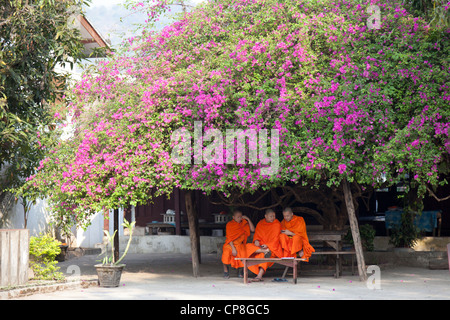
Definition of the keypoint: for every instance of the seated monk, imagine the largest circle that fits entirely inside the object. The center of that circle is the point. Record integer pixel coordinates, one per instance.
(237, 231)
(266, 243)
(293, 238)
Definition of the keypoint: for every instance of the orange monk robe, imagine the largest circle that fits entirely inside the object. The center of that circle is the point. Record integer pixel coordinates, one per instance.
(268, 234)
(293, 244)
(238, 234)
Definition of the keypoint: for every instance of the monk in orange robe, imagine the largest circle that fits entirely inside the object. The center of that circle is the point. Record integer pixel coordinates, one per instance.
(293, 238)
(266, 243)
(237, 231)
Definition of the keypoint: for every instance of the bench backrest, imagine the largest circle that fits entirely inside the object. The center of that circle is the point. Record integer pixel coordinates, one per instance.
(326, 236)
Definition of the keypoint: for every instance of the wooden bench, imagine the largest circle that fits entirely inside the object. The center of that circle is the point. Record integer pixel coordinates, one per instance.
(332, 239)
(338, 260)
(338, 272)
(294, 262)
(291, 262)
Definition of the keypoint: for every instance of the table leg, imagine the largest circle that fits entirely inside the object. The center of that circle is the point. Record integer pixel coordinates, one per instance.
(439, 224)
(294, 267)
(339, 246)
(245, 272)
(353, 265)
(336, 275)
(285, 272)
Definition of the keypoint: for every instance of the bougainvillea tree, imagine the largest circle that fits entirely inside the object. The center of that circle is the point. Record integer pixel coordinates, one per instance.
(351, 97)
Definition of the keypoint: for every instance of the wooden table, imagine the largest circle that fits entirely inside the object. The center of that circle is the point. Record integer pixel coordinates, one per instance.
(206, 227)
(334, 240)
(428, 221)
(292, 263)
(160, 225)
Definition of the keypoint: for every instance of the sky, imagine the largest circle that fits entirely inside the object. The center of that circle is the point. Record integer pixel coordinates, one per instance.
(105, 16)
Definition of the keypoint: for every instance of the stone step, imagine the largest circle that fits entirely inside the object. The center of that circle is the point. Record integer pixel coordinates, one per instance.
(439, 264)
(78, 252)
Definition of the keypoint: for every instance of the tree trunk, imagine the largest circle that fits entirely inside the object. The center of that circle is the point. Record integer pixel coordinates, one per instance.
(177, 212)
(116, 238)
(193, 231)
(355, 231)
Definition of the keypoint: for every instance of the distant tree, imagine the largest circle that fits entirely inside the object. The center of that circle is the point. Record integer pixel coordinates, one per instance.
(35, 37)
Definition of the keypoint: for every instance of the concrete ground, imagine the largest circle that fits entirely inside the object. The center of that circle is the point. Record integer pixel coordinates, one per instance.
(169, 277)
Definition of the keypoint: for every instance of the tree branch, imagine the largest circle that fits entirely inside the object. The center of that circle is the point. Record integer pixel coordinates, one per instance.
(435, 197)
(310, 212)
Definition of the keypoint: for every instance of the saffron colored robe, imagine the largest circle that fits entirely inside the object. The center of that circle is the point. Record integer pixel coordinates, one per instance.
(293, 244)
(268, 234)
(238, 234)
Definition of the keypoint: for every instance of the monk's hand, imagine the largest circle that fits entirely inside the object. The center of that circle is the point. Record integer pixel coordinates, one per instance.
(287, 232)
(257, 243)
(246, 218)
(234, 252)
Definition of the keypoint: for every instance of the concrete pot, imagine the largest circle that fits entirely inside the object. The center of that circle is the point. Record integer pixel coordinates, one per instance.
(109, 275)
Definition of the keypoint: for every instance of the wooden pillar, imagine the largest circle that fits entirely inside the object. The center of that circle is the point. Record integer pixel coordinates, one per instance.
(177, 212)
(197, 227)
(193, 231)
(116, 238)
(355, 231)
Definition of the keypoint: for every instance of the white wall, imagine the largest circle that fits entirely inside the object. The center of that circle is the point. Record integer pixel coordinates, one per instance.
(38, 218)
(92, 235)
(169, 244)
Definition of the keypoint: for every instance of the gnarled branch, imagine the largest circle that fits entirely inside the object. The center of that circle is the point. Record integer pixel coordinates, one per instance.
(435, 197)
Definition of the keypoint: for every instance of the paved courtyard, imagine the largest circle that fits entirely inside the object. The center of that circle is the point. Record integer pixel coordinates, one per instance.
(169, 277)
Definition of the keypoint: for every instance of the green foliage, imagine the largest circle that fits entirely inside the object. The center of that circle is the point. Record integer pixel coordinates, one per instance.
(406, 234)
(367, 233)
(43, 251)
(350, 102)
(435, 11)
(35, 37)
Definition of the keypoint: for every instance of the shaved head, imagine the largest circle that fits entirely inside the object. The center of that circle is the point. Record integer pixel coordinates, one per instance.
(237, 215)
(270, 215)
(287, 214)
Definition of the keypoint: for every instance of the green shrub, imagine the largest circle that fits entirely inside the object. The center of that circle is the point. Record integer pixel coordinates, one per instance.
(367, 233)
(406, 234)
(43, 251)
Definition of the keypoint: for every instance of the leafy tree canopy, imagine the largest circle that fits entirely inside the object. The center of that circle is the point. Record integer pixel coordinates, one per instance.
(35, 37)
(350, 99)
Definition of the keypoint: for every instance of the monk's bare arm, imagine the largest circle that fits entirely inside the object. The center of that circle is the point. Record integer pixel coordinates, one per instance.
(233, 248)
(250, 223)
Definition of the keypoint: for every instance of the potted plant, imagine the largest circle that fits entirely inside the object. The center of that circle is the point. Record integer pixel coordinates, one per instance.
(62, 255)
(110, 271)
